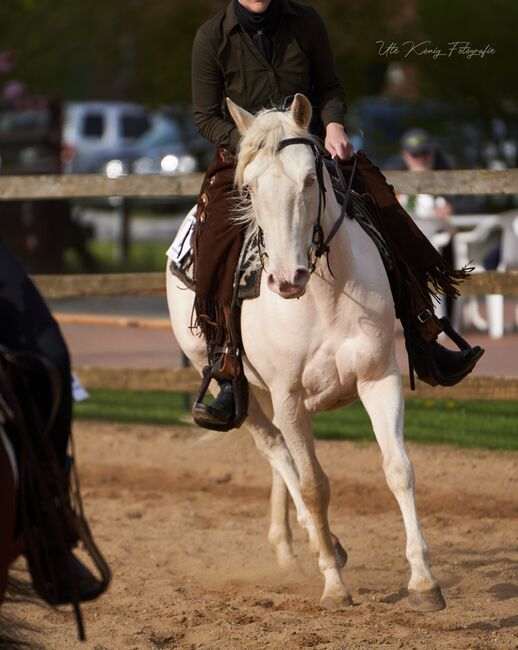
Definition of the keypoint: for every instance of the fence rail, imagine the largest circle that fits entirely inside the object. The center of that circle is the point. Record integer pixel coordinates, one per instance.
(472, 181)
(187, 380)
(55, 287)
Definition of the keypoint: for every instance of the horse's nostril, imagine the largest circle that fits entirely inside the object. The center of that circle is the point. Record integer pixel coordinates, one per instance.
(301, 277)
(271, 280)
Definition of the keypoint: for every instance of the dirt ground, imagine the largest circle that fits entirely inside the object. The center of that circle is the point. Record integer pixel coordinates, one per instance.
(182, 518)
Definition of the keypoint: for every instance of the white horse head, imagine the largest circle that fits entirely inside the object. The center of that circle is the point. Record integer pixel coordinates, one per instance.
(283, 192)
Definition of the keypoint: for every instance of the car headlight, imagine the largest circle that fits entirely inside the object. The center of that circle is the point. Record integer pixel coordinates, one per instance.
(187, 164)
(143, 166)
(178, 164)
(169, 164)
(114, 168)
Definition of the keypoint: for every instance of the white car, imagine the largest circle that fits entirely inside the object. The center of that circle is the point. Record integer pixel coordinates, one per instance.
(92, 128)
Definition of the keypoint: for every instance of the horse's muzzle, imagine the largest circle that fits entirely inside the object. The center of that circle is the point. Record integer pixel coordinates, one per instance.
(289, 288)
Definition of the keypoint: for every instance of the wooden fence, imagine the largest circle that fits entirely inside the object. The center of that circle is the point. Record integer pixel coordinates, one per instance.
(97, 186)
(55, 287)
(187, 380)
(476, 181)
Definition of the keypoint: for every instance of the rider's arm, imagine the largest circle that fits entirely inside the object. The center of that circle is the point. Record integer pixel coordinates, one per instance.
(207, 96)
(329, 95)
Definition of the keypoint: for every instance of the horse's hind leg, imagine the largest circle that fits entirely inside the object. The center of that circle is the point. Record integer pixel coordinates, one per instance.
(279, 534)
(383, 400)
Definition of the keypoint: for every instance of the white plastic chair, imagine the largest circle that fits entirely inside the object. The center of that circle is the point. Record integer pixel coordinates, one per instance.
(433, 228)
(464, 251)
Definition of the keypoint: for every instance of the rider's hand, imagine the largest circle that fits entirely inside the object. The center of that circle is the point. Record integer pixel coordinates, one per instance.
(337, 142)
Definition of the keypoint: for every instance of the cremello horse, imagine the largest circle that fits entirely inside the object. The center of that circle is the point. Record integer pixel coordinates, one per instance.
(333, 344)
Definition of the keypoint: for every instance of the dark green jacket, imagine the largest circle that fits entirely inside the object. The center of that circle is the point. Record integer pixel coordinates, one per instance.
(225, 62)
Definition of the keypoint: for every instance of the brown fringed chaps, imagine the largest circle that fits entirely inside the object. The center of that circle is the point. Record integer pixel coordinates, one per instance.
(217, 245)
(420, 269)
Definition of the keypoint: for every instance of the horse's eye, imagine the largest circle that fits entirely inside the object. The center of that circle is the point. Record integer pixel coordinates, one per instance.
(310, 180)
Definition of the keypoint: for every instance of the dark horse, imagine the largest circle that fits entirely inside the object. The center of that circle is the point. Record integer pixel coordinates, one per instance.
(10, 545)
(40, 504)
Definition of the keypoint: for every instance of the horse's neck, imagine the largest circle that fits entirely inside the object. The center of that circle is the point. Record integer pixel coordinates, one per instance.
(341, 244)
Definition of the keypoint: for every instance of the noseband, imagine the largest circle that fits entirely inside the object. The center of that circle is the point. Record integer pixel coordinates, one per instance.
(319, 243)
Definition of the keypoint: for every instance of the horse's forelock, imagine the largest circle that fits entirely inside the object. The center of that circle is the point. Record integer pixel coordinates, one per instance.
(264, 136)
(269, 128)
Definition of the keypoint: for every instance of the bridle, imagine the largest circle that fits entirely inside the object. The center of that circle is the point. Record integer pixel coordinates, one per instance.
(319, 243)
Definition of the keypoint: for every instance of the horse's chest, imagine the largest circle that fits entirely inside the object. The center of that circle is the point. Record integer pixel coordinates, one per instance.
(329, 376)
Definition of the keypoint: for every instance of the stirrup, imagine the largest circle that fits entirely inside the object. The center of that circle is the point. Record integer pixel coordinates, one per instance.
(426, 356)
(447, 328)
(240, 390)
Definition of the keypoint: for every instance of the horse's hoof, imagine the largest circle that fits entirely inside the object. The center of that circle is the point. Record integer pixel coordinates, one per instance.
(426, 601)
(340, 602)
(341, 555)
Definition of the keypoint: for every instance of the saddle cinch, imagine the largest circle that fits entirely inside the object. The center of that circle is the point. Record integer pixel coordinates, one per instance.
(248, 274)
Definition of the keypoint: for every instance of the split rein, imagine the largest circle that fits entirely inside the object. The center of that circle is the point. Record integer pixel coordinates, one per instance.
(319, 243)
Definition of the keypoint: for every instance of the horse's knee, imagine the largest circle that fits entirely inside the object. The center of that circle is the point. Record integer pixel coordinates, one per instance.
(315, 493)
(399, 473)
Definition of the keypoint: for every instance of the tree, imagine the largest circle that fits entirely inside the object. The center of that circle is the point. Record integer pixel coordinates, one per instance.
(140, 49)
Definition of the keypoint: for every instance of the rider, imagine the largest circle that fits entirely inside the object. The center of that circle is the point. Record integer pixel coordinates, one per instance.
(27, 325)
(259, 53)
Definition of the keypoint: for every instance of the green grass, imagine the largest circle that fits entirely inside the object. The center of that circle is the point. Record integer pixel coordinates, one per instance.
(139, 407)
(143, 257)
(482, 424)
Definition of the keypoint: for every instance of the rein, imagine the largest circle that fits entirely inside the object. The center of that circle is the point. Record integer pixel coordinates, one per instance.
(321, 244)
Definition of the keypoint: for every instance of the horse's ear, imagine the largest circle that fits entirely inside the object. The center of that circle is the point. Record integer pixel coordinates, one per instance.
(242, 118)
(301, 111)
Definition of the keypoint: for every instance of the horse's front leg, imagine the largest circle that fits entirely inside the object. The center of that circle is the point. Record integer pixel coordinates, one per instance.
(383, 400)
(295, 424)
(262, 429)
(271, 443)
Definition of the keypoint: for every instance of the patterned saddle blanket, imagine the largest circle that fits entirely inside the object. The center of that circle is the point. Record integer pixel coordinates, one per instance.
(181, 263)
(362, 209)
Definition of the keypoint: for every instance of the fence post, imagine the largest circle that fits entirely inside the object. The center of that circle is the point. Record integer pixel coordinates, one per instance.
(125, 230)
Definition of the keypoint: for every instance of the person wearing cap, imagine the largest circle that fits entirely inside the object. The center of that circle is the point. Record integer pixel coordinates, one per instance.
(420, 153)
(259, 53)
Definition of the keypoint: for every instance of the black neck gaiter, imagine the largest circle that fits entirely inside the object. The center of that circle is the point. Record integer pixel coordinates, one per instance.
(261, 27)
